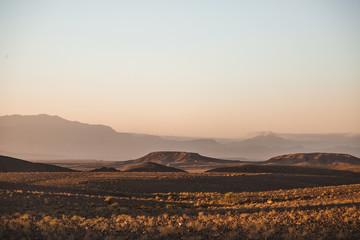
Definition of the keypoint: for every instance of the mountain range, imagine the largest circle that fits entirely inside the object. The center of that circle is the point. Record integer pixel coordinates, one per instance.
(42, 137)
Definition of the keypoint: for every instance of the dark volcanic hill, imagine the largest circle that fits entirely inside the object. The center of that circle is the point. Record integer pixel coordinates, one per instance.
(313, 159)
(152, 167)
(183, 160)
(9, 164)
(105, 169)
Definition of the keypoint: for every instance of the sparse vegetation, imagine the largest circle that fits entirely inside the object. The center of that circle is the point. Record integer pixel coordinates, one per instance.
(105, 206)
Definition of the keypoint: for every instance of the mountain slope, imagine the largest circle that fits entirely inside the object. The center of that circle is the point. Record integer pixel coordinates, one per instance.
(183, 160)
(180, 158)
(52, 137)
(9, 164)
(104, 169)
(269, 140)
(152, 167)
(312, 159)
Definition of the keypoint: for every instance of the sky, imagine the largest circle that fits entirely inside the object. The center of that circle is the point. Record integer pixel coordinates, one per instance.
(185, 68)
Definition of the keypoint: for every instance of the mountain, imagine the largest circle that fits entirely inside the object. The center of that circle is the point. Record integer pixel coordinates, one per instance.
(152, 167)
(52, 137)
(312, 159)
(269, 140)
(45, 137)
(10, 164)
(183, 160)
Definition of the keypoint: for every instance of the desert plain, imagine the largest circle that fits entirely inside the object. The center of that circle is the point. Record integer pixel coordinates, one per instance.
(242, 204)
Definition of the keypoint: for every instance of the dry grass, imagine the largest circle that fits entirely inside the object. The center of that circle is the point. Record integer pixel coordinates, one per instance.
(110, 206)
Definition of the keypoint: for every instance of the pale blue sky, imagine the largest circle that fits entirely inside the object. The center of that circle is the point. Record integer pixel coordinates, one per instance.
(193, 68)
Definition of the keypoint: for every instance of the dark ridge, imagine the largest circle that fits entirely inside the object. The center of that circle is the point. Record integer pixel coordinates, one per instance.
(313, 159)
(152, 167)
(10, 164)
(105, 169)
(177, 157)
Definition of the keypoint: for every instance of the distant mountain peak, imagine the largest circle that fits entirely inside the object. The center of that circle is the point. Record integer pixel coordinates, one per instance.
(268, 136)
(47, 136)
(41, 115)
(269, 140)
(261, 134)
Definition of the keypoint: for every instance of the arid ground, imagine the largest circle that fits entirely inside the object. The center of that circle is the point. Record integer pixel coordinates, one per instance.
(81, 205)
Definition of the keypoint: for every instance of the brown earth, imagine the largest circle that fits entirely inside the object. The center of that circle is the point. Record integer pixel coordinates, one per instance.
(288, 170)
(130, 205)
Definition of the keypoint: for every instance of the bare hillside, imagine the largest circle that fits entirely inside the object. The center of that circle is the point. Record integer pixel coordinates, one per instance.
(104, 169)
(9, 164)
(152, 167)
(313, 159)
(183, 160)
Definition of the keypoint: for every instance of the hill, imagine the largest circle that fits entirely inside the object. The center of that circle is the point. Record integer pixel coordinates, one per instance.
(282, 169)
(105, 169)
(9, 164)
(313, 159)
(152, 167)
(183, 160)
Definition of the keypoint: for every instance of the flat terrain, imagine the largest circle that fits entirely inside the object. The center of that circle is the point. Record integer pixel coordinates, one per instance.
(81, 205)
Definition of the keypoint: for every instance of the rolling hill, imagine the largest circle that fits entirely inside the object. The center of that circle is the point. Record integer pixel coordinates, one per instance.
(313, 159)
(9, 164)
(105, 169)
(152, 167)
(182, 160)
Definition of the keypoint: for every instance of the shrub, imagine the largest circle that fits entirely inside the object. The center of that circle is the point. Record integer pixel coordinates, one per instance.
(229, 197)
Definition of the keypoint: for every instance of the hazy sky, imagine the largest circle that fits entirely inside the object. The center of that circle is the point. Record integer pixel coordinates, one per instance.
(189, 68)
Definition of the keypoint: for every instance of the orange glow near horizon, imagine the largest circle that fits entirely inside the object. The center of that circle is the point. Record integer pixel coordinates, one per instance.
(292, 68)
